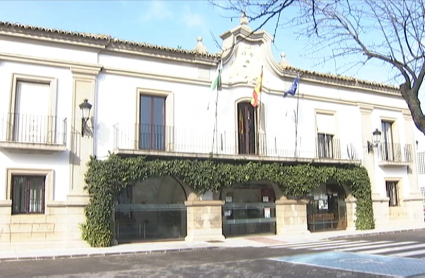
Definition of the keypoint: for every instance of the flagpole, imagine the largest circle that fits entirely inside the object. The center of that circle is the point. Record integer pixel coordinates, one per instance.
(259, 113)
(296, 122)
(215, 139)
(215, 124)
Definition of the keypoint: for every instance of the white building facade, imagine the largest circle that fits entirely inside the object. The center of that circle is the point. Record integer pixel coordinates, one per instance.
(156, 101)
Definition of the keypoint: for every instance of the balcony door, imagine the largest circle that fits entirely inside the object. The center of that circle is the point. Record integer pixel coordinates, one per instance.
(387, 141)
(31, 120)
(246, 128)
(152, 122)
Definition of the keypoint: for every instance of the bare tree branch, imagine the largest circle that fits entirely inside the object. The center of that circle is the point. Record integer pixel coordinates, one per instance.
(391, 32)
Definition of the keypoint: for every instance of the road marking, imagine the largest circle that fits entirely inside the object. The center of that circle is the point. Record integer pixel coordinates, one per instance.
(411, 253)
(375, 245)
(386, 250)
(311, 243)
(352, 245)
(323, 244)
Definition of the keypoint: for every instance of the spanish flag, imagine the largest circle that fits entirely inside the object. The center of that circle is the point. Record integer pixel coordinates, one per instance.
(257, 90)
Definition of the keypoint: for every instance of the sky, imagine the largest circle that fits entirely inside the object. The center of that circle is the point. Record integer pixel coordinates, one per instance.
(169, 23)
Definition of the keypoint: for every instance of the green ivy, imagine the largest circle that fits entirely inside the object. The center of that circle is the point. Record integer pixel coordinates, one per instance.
(106, 178)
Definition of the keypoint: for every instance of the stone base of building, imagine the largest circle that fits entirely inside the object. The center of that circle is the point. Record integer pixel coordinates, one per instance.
(408, 214)
(58, 227)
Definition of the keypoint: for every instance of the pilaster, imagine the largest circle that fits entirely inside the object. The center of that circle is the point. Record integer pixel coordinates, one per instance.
(414, 192)
(351, 204)
(367, 129)
(84, 86)
(204, 220)
(291, 217)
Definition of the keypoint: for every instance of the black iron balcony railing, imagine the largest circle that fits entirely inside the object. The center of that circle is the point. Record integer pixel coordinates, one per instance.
(394, 152)
(191, 140)
(35, 129)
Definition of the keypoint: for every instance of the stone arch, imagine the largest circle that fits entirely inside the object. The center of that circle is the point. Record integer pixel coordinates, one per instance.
(250, 127)
(327, 207)
(153, 208)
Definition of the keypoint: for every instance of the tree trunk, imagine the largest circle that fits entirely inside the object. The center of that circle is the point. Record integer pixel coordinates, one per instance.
(411, 97)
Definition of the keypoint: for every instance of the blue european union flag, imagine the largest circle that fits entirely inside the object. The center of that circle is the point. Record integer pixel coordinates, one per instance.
(293, 88)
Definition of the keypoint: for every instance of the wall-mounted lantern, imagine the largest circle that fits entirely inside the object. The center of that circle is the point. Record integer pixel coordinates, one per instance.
(376, 139)
(85, 115)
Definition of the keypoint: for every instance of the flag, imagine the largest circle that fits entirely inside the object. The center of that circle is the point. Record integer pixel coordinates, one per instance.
(293, 88)
(257, 90)
(241, 127)
(216, 84)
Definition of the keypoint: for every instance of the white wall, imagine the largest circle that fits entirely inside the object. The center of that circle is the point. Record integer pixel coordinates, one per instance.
(49, 50)
(57, 162)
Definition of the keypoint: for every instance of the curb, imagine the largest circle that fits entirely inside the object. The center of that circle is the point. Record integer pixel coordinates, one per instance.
(376, 233)
(89, 255)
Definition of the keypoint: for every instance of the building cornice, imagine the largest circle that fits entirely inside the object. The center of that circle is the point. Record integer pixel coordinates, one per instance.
(241, 32)
(94, 69)
(101, 41)
(47, 62)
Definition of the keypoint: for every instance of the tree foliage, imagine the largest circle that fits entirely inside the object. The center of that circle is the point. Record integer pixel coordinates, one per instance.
(107, 178)
(387, 31)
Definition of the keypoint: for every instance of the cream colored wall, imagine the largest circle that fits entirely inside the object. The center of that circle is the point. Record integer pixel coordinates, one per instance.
(110, 81)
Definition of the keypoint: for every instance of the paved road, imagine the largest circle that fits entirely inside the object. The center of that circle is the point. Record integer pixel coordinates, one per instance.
(284, 261)
(407, 244)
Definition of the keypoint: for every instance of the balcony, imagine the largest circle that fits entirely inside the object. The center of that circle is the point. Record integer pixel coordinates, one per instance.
(32, 133)
(132, 139)
(394, 154)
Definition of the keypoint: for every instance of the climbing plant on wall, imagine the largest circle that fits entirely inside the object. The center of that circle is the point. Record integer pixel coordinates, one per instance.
(106, 178)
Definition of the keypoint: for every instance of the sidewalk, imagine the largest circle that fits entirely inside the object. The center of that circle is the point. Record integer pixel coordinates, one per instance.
(30, 252)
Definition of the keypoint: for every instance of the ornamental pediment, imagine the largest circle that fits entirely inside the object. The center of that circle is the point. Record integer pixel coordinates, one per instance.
(245, 65)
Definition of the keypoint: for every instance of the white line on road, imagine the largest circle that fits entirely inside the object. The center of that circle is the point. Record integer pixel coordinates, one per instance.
(350, 245)
(329, 245)
(376, 245)
(385, 250)
(311, 243)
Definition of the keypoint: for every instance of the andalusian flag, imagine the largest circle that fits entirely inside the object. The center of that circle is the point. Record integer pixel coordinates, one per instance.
(216, 84)
(257, 90)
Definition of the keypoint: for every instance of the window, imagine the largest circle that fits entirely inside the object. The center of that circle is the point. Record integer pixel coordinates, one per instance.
(387, 141)
(31, 122)
(28, 194)
(325, 145)
(152, 122)
(392, 193)
(32, 110)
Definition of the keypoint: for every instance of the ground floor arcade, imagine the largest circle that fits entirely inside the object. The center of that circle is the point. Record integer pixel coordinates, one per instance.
(164, 208)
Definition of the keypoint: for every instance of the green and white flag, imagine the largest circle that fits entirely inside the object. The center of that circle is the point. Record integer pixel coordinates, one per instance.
(216, 84)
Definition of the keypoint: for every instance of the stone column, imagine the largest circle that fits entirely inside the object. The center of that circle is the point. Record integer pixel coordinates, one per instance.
(351, 204)
(84, 86)
(204, 220)
(291, 217)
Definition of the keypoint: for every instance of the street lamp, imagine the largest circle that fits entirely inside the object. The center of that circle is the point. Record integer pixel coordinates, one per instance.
(85, 115)
(376, 139)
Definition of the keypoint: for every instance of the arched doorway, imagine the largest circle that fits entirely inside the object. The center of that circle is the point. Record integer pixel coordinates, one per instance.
(326, 209)
(247, 128)
(151, 209)
(249, 209)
